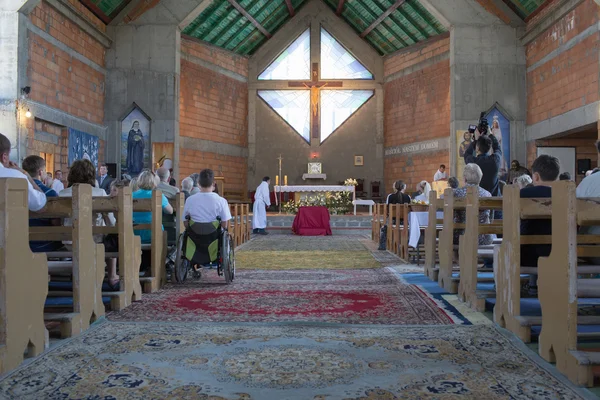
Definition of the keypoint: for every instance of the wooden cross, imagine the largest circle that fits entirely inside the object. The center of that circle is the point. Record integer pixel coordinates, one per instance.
(315, 87)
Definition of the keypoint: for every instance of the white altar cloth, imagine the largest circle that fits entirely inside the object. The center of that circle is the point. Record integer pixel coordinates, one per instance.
(314, 188)
(418, 220)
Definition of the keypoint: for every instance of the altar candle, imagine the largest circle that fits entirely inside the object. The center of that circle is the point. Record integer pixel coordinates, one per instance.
(277, 180)
(285, 180)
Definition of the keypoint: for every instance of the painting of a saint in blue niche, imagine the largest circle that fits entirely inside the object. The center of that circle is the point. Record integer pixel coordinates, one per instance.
(500, 127)
(135, 143)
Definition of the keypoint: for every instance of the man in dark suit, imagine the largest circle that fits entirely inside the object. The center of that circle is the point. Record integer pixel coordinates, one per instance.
(104, 180)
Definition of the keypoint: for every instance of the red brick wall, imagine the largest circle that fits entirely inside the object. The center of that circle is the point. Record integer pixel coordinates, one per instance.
(416, 108)
(214, 107)
(415, 54)
(62, 82)
(569, 80)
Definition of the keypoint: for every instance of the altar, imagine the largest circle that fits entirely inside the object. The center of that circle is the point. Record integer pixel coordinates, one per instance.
(302, 191)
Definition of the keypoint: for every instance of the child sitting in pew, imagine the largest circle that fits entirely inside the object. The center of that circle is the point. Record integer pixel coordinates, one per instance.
(83, 172)
(472, 176)
(545, 169)
(35, 166)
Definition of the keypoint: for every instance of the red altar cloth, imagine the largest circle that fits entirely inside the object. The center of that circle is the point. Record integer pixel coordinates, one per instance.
(312, 221)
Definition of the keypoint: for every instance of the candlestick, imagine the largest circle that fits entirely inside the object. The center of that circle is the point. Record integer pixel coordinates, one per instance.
(285, 180)
(277, 180)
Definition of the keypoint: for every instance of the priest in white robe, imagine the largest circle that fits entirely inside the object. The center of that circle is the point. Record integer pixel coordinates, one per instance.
(262, 200)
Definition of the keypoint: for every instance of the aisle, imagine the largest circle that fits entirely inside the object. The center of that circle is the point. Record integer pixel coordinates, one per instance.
(311, 330)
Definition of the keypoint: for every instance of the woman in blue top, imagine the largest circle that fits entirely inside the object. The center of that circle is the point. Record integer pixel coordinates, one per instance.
(147, 182)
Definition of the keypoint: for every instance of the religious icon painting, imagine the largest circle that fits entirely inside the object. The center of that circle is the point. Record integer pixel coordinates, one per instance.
(359, 161)
(500, 127)
(135, 142)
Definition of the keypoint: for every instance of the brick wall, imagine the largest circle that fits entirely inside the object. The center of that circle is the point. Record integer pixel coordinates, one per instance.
(569, 80)
(416, 108)
(213, 107)
(61, 81)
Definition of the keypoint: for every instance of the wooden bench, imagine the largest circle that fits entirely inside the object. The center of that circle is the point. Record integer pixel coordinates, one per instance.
(87, 265)
(447, 279)
(23, 280)
(507, 266)
(379, 220)
(469, 252)
(560, 287)
(240, 225)
(431, 268)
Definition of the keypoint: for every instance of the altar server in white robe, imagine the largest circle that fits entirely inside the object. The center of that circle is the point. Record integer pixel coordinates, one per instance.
(262, 200)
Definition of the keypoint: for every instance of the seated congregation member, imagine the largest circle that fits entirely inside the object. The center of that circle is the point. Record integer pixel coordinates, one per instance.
(207, 206)
(186, 187)
(164, 175)
(83, 172)
(423, 188)
(398, 197)
(565, 176)
(589, 188)
(35, 166)
(57, 184)
(196, 185)
(545, 170)
(146, 182)
(472, 176)
(453, 183)
(515, 171)
(523, 181)
(36, 199)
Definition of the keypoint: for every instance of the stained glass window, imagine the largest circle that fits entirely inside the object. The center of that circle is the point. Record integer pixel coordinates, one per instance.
(337, 62)
(293, 106)
(293, 63)
(337, 106)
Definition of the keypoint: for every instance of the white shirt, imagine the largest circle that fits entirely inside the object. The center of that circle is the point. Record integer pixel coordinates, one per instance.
(589, 186)
(440, 175)
(57, 186)
(98, 220)
(36, 200)
(206, 207)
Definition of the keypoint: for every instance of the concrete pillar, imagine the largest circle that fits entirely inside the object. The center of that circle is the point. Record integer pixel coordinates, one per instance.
(487, 66)
(13, 71)
(143, 68)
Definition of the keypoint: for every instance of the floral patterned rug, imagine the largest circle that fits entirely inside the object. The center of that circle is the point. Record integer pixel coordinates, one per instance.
(314, 259)
(365, 296)
(244, 362)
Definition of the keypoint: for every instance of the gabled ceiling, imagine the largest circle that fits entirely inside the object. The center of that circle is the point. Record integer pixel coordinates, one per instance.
(525, 8)
(242, 26)
(106, 10)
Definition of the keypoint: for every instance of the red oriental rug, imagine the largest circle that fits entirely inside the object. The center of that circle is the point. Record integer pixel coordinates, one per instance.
(368, 296)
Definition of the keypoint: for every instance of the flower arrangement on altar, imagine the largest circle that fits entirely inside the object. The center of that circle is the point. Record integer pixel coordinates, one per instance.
(336, 202)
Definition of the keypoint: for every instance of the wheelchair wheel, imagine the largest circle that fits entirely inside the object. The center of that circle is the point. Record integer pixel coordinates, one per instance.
(227, 258)
(182, 265)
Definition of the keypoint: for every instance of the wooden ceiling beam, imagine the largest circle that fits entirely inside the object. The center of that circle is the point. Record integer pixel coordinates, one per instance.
(340, 7)
(290, 7)
(383, 16)
(250, 18)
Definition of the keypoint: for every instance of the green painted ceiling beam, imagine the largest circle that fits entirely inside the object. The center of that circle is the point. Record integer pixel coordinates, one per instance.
(260, 10)
(234, 22)
(384, 40)
(425, 19)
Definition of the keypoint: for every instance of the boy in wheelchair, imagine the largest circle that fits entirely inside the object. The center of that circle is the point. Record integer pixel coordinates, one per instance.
(206, 217)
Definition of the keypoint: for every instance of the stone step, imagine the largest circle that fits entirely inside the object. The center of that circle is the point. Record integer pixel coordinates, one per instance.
(336, 221)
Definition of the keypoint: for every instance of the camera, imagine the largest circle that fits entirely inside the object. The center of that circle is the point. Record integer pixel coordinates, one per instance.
(482, 125)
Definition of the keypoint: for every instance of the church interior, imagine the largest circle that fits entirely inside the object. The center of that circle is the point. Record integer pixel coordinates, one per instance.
(312, 115)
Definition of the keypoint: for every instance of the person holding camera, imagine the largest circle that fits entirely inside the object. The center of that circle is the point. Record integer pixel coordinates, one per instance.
(483, 141)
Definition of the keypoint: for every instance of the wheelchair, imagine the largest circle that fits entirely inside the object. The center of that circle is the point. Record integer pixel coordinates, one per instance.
(204, 244)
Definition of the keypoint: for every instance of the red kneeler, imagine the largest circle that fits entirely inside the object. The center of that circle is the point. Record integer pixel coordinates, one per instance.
(312, 221)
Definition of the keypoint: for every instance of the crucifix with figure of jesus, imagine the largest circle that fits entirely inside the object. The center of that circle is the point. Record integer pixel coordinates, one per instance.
(315, 86)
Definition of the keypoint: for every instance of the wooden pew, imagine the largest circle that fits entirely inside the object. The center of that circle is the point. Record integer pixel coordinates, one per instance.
(469, 251)
(507, 266)
(23, 280)
(129, 254)
(379, 220)
(446, 242)
(560, 288)
(431, 237)
(393, 231)
(87, 265)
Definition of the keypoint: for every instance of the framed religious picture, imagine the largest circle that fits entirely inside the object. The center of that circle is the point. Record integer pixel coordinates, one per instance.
(359, 161)
(314, 168)
(135, 142)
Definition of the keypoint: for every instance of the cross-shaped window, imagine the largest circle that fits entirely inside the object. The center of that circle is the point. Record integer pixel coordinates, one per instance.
(315, 105)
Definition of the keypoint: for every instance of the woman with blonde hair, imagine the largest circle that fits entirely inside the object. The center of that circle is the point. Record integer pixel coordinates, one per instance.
(523, 181)
(147, 182)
